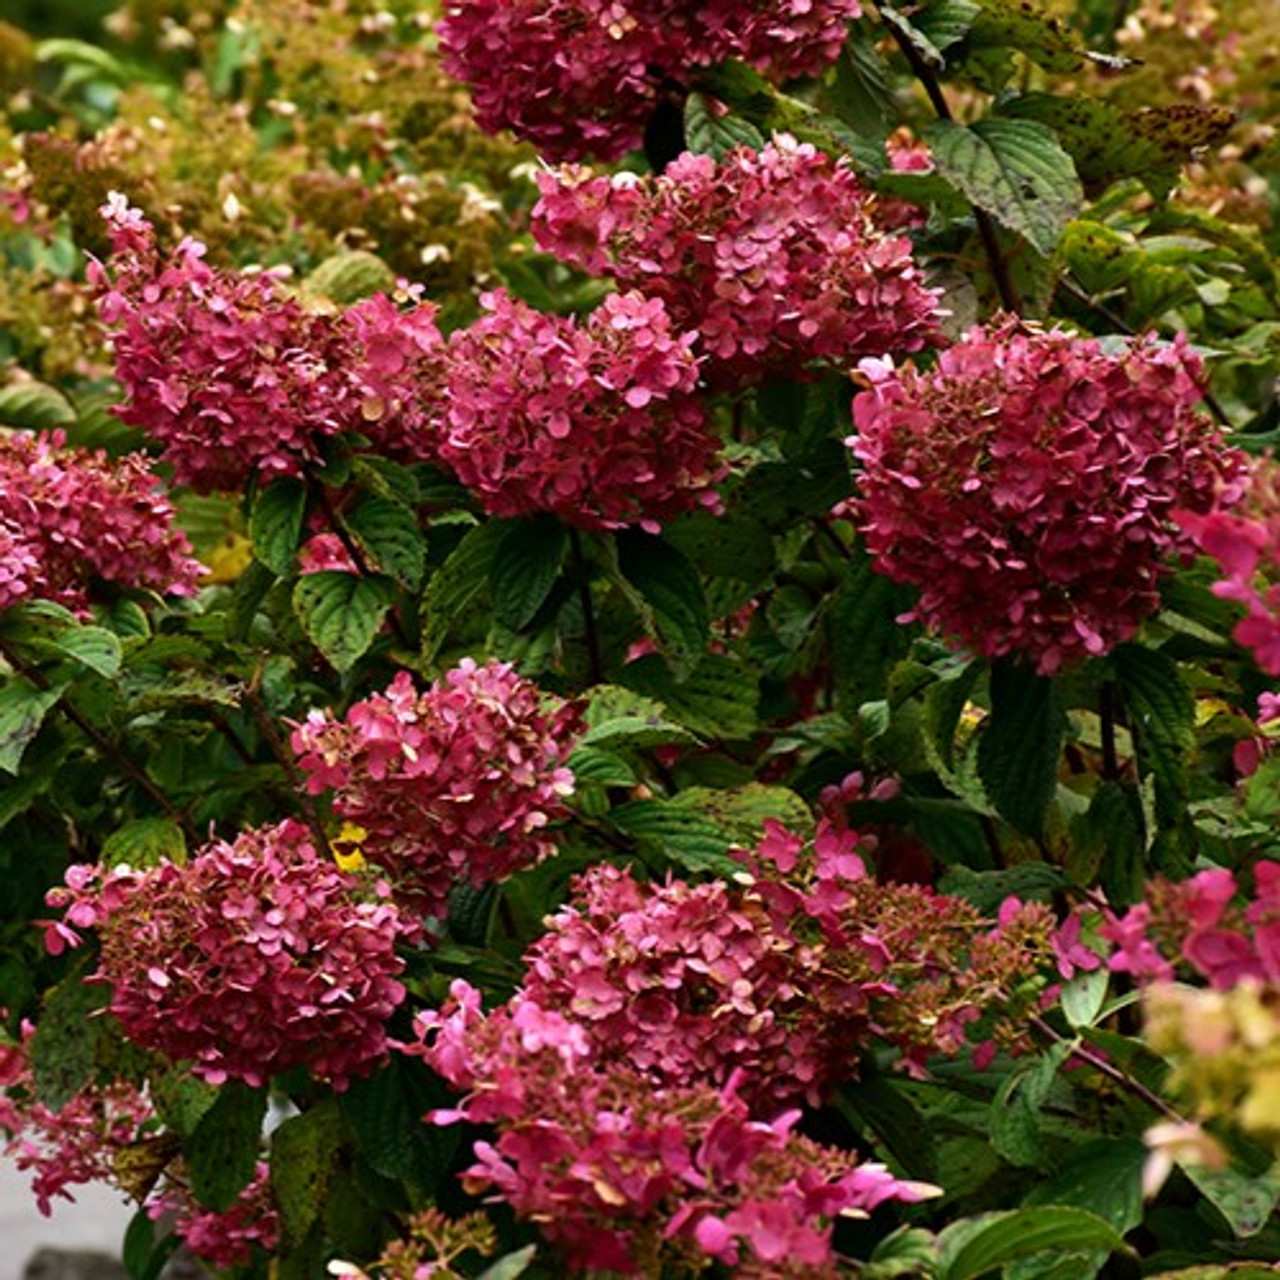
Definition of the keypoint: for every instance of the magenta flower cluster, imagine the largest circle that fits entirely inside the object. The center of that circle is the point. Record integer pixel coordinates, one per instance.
(73, 1145)
(1245, 541)
(580, 77)
(235, 378)
(1197, 925)
(596, 423)
(455, 784)
(1026, 484)
(628, 1174)
(70, 519)
(255, 957)
(771, 256)
(228, 1238)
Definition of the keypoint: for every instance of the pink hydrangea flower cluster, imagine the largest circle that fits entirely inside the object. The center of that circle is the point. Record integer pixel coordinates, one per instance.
(1026, 485)
(894, 963)
(233, 377)
(596, 423)
(1245, 541)
(225, 1239)
(457, 783)
(684, 982)
(627, 1174)
(69, 518)
(579, 77)
(256, 956)
(1196, 924)
(772, 256)
(74, 1145)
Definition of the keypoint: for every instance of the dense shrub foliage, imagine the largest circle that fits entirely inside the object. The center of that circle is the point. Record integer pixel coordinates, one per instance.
(640, 637)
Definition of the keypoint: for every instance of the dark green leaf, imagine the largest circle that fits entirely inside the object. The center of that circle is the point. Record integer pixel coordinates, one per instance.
(144, 1256)
(388, 533)
(1021, 745)
(866, 638)
(725, 546)
(1030, 29)
(275, 523)
(1103, 1176)
(385, 1114)
(342, 613)
(303, 1151)
(896, 1122)
(1016, 170)
(666, 591)
(65, 1047)
(453, 588)
(222, 1154)
(23, 708)
(526, 563)
(861, 92)
(1162, 718)
(718, 700)
(1015, 1122)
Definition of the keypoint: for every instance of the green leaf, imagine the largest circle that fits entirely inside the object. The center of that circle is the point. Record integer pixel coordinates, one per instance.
(1083, 996)
(511, 1265)
(144, 1256)
(741, 812)
(222, 1154)
(1015, 170)
(34, 406)
(145, 842)
(728, 546)
(945, 23)
(604, 768)
(895, 1120)
(388, 533)
(666, 591)
(526, 564)
(709, 131)
(1109, 143)
(342, 613)
(861, 89)
(303, 1153)
(866, 637)
(718, 700)
(1103, 1176)
(1031, 30)
(181, 1099)
(23, 708)
(1021, 745)
(1015, 1111)
(1162, 719)
(347, 277)
(453, 588)
(385, 1114)
(1246, 1203)
(688, 839)
(96, 648)
(65, 1046)
(275, 523)
(972, 1247)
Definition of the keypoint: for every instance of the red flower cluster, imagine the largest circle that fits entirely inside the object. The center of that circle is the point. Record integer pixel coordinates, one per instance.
(597, 423)
(1026, 485)
(233, 378)
(254, 957)
(457, 783)
(771, 256)
(1195, 924)
(225, 1239)
(69, 518)
(1245, 541)
(74, 1145)
(580, 77)
(627, 1174)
